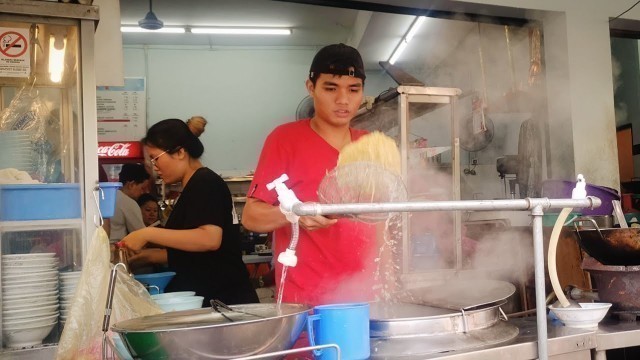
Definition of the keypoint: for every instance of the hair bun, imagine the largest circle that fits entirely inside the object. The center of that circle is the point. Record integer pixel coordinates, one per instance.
(196, 124)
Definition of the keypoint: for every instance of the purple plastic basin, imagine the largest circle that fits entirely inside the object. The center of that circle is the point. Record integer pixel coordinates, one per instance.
(561, 189)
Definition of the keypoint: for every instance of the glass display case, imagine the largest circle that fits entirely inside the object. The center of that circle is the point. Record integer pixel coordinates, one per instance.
(424, 123)
(48, 167)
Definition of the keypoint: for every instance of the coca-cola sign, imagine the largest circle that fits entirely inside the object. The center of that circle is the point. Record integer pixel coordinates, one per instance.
(120, 150)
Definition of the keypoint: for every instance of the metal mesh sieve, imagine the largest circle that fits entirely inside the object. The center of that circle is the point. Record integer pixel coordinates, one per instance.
(362, 182)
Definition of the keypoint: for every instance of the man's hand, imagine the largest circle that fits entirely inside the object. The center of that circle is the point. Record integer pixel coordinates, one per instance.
(311, 223)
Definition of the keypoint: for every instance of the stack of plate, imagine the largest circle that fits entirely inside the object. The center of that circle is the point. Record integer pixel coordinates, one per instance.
(29, 298)
(16, 150)
(68, 284)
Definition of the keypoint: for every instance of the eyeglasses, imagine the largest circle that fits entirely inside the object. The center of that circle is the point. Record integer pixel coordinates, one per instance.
(153, 161)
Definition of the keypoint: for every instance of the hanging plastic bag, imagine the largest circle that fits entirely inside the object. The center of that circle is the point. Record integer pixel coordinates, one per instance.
(29, 115)
(82, 335)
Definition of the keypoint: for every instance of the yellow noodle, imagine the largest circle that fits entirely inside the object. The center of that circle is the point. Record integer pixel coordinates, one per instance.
(374, 147)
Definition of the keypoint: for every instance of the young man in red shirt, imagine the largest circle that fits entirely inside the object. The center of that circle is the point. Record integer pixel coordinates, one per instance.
(335, 256)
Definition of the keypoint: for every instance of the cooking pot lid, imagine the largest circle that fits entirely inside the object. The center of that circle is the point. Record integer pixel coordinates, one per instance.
(386, 311)
(459, 294)
(207, 317)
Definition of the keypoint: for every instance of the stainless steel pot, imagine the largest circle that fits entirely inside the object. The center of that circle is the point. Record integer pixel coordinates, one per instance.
(594, 221)
(416, 331)
(206, 334)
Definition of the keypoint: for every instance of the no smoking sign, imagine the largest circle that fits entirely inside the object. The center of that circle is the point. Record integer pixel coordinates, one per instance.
(14, 52)
(14, 44)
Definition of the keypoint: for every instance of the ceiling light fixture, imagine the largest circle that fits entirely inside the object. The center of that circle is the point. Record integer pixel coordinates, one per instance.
(241, 30)
(402, 45)
(165, 30)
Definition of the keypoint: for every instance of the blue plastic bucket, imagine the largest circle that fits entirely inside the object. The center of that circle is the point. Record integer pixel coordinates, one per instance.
(346, 325)
(40, 201)
(107, 198)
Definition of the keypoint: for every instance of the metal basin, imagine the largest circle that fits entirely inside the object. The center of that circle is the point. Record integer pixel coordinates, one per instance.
(611, 246)
(205, 334)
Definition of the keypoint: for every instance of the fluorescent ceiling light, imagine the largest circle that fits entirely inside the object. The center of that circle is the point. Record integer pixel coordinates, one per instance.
(136, 29)
(57, 46)
(417, 22)
(399, 49)
(241, 31)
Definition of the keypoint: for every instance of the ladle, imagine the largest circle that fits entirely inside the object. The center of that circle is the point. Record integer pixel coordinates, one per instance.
(216, 305)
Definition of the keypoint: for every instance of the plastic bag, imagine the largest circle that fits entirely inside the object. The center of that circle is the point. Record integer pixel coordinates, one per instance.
(82, 334)
(29, 114)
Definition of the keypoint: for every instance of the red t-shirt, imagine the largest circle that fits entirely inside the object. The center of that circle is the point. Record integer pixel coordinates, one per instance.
(335, 264)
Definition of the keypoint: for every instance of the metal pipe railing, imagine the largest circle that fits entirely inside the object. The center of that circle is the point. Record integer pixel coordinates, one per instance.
(535, 205)
(304, 209)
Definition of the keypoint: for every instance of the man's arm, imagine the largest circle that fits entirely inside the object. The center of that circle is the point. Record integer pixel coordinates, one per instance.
(258, 216)
(261, 217)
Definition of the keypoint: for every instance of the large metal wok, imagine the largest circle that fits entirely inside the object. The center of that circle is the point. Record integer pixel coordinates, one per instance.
(614, 246)
(206, 334)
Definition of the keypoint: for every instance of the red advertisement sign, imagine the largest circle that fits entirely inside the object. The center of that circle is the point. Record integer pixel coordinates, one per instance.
(120, 150)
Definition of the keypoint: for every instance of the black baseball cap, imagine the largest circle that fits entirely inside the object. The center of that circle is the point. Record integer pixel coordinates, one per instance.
(337, 59)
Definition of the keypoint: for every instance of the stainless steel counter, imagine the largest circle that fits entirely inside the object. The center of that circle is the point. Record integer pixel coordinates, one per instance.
(613, 334)
(564, 344)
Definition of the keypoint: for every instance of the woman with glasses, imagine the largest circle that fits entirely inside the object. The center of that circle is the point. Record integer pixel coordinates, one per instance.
(200, 239)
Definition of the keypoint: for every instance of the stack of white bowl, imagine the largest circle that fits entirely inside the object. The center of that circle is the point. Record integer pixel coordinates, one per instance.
(16, 150)
(29, 298)
(68, 284)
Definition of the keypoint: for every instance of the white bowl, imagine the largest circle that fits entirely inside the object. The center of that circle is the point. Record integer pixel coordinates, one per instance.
(52, 273)
(8, 314)
(587, 316)
(46, 279)
(70, 280)
(67, 288)
(20, 305)
(28, 256)
(11, 290)
(173, 294)
(36, 321)
(21, 321)
(67, 297)
(30, 298)
(180, 303)
(27, 336)
(15, 270)
(30, 262)
(70, 274)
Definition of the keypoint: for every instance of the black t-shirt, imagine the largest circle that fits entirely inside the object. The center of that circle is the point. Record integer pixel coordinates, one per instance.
(218, 274)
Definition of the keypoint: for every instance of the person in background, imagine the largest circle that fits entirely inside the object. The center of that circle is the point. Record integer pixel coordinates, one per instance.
(150, 209)
(201, 242)
(127, 217)
(335, 256)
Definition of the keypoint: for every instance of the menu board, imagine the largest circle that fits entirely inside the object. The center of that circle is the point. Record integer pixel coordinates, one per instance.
(122, 111)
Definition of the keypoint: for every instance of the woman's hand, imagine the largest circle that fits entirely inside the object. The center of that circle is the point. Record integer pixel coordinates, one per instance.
(135, 241)
(311, 223)
(155, 256)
